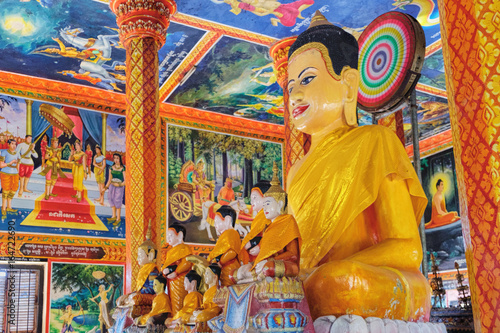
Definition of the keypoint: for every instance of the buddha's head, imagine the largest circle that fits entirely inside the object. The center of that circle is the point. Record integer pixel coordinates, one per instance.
(275, 198)
(323, 79)
(191, 281)
(224, 219)
(212, 274)
(257, 194)
(159, 284)
(176, 234)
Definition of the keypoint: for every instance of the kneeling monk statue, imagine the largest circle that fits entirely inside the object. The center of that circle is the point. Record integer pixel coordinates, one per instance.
(355, 195)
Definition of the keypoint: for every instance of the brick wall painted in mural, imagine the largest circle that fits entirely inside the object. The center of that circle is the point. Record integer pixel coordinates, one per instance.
(226, 165)
(64, 196)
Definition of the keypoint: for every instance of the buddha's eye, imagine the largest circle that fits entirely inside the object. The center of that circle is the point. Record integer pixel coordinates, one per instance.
(305, 81)
(290, 88)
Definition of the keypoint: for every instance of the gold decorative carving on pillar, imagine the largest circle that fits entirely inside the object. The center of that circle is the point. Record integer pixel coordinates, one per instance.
(296, 143)
(143, 28)
(470, 32)
(395, 123)
(29, 110)
(104, 129)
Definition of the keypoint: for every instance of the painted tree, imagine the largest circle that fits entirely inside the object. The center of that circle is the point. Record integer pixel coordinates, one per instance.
(74, 278)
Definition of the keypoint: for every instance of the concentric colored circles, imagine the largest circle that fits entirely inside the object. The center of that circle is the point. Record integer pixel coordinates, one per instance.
(389, 48)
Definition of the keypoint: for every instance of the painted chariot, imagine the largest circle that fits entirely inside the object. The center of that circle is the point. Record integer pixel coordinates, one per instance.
(184, 203)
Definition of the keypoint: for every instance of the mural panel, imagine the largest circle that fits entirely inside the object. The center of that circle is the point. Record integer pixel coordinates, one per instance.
(77, 42)
(76, 304)
(234, 78)
(433, 117)
(58, 180)
(283, 18)
(443, 228)
(207, 169)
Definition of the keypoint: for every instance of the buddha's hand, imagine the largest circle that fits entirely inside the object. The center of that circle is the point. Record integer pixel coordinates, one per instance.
(244, 272)
(247, 245)
(171, 276)
(254, 251)
(260, 266)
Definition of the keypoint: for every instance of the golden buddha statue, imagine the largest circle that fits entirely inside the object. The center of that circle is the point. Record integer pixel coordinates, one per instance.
(228, 245)
(208, 309)
(248, 252)
(143, 291)
(278, 253)
(355, 195)
(176, 266)
(161, 305)
(192, 301)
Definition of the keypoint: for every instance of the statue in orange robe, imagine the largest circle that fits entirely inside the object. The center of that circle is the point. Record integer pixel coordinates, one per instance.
(208, 309)
(259, 223)
(192, 301)
(226, 250)
(175, 267)
(161, 304)
(355, 195)
(279, 249)
(440, 216)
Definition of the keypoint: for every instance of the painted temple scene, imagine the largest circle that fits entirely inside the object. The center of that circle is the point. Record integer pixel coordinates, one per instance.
(250, 166)
(66, 156)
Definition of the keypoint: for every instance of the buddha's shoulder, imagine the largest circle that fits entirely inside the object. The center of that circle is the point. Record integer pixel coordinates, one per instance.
(375, 132)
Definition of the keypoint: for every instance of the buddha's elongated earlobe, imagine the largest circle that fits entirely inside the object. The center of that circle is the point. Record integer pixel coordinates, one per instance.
(350, 77)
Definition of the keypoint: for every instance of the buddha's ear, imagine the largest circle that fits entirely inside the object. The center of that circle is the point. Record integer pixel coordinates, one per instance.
(350, 78)
(281, 205)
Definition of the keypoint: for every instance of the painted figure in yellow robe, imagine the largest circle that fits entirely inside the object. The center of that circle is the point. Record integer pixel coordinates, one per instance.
(226, 250)
(355, 195)
(192, 301)
(161, 304)
(52, 170)
(67, 319)
(105, 320)
(440, 216)
(279, 249)
(175, 267)
(79, 159)
(249, 251)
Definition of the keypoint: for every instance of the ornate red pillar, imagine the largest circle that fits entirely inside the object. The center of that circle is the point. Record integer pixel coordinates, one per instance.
(296, 143)
(471, 47)
(143, 28)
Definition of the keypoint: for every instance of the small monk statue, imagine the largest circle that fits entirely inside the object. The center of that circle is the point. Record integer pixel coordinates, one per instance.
(279, 249)
(161, 305)
(175, 266)
(226, 250)
(208, 309)
(192, 301)
(143, 291)
(248, 251)
(355, 195)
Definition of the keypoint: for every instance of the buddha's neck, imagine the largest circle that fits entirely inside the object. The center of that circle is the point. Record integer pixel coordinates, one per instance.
(317, 138)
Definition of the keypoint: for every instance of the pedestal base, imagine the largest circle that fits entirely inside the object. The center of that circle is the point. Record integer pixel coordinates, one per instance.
(353, 323)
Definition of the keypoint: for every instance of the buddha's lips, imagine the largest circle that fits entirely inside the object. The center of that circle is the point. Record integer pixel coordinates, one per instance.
(299, 110)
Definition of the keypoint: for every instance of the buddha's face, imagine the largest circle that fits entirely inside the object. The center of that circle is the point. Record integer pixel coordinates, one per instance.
(272, 208)
(142, 257)
(209, 277)
(316, 98)
(158, 287)
(174, 238)
(256, 200)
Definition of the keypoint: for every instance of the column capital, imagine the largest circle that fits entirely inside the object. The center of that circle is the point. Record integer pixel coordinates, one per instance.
(279, 53)
(143, 18)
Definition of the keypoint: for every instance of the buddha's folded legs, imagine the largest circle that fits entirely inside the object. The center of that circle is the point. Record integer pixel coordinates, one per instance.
(347, 287)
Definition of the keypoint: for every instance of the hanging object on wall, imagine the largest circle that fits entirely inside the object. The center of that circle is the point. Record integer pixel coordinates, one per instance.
(57, 118)
(392, 51)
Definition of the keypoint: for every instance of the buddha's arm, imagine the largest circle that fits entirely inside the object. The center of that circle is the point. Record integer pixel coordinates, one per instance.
(290, 258)
(394, 227)
(183, 266)
(290, 253)
(227, 257)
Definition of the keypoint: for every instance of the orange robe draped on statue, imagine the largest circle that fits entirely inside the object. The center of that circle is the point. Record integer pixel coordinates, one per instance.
(177, 256)
(210, 309)
(192, 301)
(259, 223)
(228, 246)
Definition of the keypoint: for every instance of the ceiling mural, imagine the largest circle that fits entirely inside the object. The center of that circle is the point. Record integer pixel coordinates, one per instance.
(215, 59)
(234, 78)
